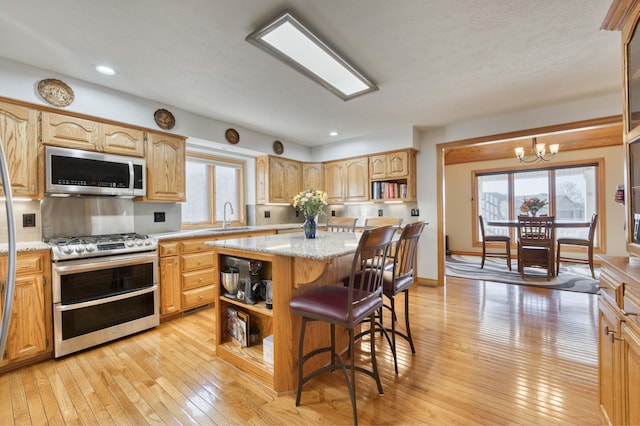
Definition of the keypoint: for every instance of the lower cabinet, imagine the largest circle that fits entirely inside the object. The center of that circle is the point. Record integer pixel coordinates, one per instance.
(619, 340)
(188, 272)
(31, 329)
(186, 276)
(631, 362)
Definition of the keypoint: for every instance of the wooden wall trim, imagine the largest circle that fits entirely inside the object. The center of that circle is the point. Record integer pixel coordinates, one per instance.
(86, 117)
(617, 15)
(497, 147)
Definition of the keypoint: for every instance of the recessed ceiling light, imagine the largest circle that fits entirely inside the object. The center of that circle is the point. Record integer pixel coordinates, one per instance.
(333, 133)
(291, 42)
(103, 69)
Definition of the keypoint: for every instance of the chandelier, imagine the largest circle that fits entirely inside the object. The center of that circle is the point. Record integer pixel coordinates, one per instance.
(538, 152)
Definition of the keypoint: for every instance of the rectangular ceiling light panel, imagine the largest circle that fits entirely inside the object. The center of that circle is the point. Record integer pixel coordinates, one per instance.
(287, 39)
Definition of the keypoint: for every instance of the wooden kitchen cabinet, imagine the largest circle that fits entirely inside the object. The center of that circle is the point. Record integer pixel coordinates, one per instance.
(631, 361)
(312, 176)
(609, 364)
(19, 136)
(393, 175)
(278, 179)
(90, 135)
(619, 340)
(188, 272)
(69, 132)
(31, 331)
(347, 180)
(197, 273)
(170, 291)
(165, 157)
(121, 140)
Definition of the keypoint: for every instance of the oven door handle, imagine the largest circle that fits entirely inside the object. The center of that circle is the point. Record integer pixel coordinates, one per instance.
(105, 262)
(101, 301)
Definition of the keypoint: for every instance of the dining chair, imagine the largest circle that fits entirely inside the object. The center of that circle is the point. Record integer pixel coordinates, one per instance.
(341, 224)
(578, 242)
(346, 306)
(501, 239)
(373, 222)
(536, 243)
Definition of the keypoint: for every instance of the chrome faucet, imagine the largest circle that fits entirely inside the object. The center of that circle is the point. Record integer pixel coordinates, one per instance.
(224, 214)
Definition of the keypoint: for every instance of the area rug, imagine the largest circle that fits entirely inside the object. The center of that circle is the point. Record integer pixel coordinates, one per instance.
(571, 277)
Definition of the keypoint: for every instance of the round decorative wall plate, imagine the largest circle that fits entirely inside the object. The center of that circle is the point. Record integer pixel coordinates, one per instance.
(55, 92)
(232, 136)
(164, 119)
(278, 148)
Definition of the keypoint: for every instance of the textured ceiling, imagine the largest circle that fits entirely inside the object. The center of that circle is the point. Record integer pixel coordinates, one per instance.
(436, 61)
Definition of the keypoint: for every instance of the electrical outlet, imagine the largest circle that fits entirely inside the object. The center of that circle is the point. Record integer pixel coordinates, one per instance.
(333, 212)
(158, 217)
(380, 213)
(267, 214)
(29, 220)
(415, 212)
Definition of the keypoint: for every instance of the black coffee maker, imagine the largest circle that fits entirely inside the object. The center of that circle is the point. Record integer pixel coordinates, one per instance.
(255, 289)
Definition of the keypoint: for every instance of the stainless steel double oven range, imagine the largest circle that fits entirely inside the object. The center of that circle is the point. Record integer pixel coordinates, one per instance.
(104, 287)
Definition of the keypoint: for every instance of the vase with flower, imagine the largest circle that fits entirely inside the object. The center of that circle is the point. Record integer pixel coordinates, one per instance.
(533, 205)
(311, 203)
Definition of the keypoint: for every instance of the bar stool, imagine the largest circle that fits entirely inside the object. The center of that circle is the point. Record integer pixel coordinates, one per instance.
(373, 222)
(398, 279)
(346, 306)
(341, 224)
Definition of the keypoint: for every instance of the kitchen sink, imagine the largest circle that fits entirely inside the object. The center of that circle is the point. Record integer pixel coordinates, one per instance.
(229, 228)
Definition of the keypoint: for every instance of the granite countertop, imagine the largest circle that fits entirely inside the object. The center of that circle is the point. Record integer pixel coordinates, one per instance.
(219, 231)
(25, 246)
(326, 245)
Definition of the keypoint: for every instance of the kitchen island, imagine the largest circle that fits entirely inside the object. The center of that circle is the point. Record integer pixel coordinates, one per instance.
(294, 264)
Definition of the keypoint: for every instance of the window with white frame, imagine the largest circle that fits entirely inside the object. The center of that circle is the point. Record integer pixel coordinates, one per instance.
(212, 182)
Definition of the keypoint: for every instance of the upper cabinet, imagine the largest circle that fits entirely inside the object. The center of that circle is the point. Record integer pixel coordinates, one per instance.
(69, 132)
(312, 176)
(347, 180)
(79, 133)
(165, 168)
(19, 136)
(278, 179)
(392, 175)
(631, 115)
(122, 140)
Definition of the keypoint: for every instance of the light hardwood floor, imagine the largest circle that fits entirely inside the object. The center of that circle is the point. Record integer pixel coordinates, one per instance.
(487, 353)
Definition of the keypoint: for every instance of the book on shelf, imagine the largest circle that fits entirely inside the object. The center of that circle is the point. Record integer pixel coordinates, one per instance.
(238, 326)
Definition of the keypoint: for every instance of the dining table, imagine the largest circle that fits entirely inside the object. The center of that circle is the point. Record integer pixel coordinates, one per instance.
(560, 224)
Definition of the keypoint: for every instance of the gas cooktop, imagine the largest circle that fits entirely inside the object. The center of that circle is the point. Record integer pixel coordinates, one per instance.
(65, 248)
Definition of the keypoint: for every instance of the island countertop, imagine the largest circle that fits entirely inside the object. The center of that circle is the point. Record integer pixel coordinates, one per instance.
(326, 245)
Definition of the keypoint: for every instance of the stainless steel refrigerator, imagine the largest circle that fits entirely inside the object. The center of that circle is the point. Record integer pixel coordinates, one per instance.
(10, 283)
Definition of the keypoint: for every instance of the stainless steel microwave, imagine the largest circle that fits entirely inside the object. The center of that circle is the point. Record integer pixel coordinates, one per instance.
(78, 172)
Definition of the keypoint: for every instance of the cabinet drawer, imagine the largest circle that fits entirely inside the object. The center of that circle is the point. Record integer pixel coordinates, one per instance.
(195, 246)
(631, 306)
(191, 262)
(198, 296)
(611, 287)
(25, 264)
(168, 249)
(197, 279)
